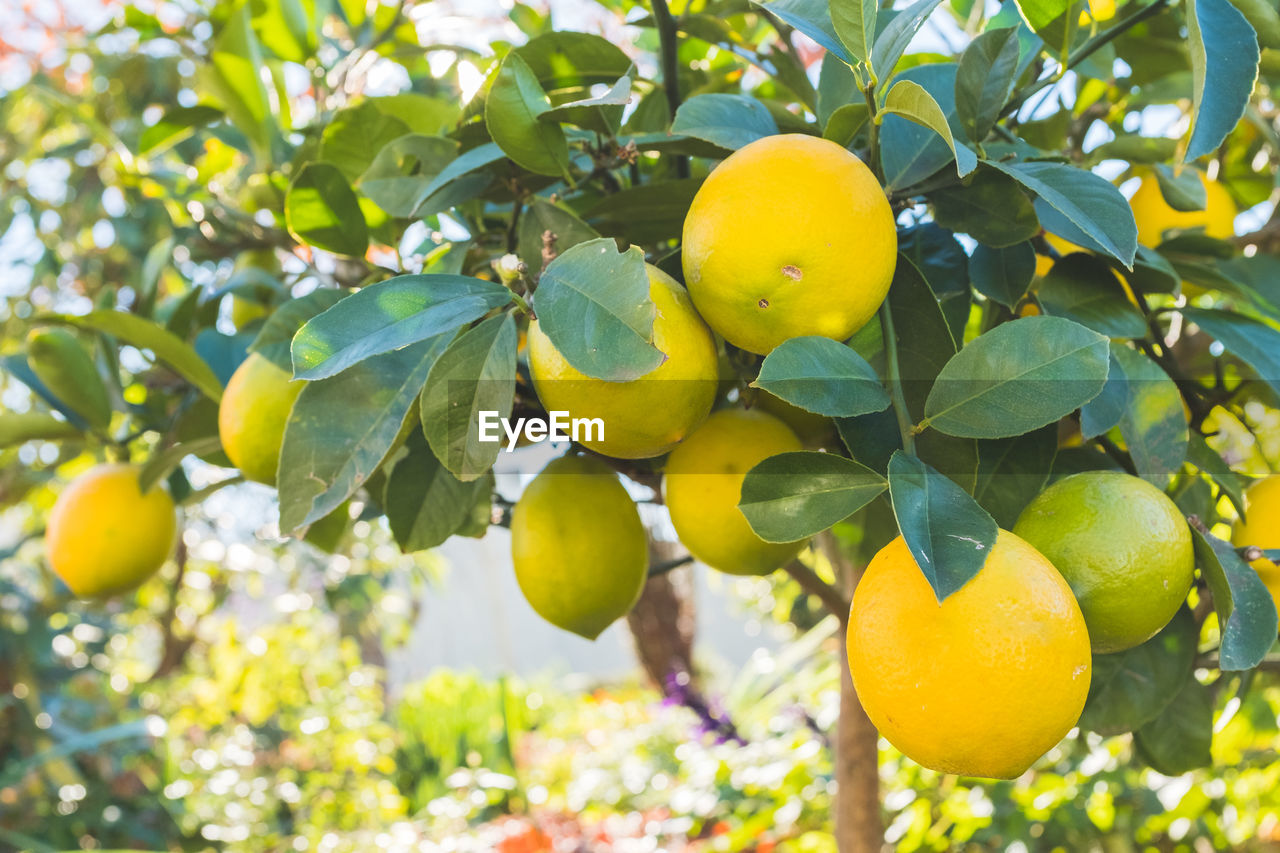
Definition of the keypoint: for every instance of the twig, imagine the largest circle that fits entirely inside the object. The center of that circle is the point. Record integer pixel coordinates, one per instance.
(814, 585)
(669, 50)
(670, 565)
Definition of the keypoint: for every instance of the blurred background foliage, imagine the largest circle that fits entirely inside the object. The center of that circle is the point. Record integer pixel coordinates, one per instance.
(172, 723)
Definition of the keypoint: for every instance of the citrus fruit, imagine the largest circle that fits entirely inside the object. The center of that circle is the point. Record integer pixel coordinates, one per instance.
(105, 536)
(252, 415)
(1262, 514)
(1044, 263)
(1154, 216)
(812, 429)
(982, 684)
(1097, 10)
(646, 416)
(1124, 547)
(579, 549)
(791, 235)
(703, 485)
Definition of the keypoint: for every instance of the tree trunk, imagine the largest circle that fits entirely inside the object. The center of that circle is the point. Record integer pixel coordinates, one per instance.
(858, 824)
(662, 623)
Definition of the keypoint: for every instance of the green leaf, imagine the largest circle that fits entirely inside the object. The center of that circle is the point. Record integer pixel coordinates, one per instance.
(1082, 287)
(1183, 191)
(424, 115)
(1154, 426)
(1003, 275)
(356, 135)
(648, 213)
(20, 427)
(845, 122)
(910, 152)
(1246, 611)
(988, 68)
(1018, 377)
(1105, 410)
(854, 22)
(1129, 689)
(822, 376)
(896, 35)
(602, 114)
(1224, 65)
(1040, 13)
(1012, 471)
(399, 178)
(321, 210)
(946, 530)
(593, 303)
(1090, 203)
(477, 373)
(837, 87)
(389, 315)
(542, 216)
(425, 503)
(146, 335)
(729, 121)
(813, 18)
(912, 101)
(792, 496)
(161, 464)
(1252, 341)
(992, 209)
(232, 75)
(467, 162)
(176, 124)
(512, 114)
(1180, 739)
(332, 446)
(567, 63)
(275, 339)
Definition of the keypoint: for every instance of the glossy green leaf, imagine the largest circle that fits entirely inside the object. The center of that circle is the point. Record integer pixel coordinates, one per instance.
(1129, 689)
(176, 124)
(1040, 13)
(146, 335)
(593, 303)
(893, 39)
(322, 210)
(1252, 341)
(425, 503)
(822, 376)
(1181, 190)
(1018, 377)
(813, 18)
(1154, 426)
(232, 76)
(332, 447)
(512, 114)
(985, 80)
(1224, 65)
(1246, 611)
(992, 208)
(1012, 471)
(1091, 203)
(20, 427)
(948, 533)
(912, 101)
(602, 113)
(275, 339)
(476, 374)
(912, 152)
(356, 135)
(541, 216)
(845, 123)
(854, 22)
(1082, 287)
(389, 315)
(1104, 411)
(1180, 738)
(729, 121)
(1003, 275)
(400, 177)
(792, 496)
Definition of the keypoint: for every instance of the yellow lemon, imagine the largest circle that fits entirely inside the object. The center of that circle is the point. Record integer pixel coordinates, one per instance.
(1097, 10)
(982, 684)
(579, 548)
(1124, 547)
(252, 416)
(703, 485)
(1262, 511)
(1044, 263)
(1154, 216)
(650, 415)
(791, 235)
(105, 536)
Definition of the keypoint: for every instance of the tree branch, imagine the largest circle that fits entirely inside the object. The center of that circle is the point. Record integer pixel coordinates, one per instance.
(669, 49)
(816, 586)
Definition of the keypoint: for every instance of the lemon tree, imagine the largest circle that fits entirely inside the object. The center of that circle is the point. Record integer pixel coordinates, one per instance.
(839, 297)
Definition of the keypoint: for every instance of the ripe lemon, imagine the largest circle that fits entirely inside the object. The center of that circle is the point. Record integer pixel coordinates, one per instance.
(791, 235)
(579, 549)
(1262, 510)
(1122, 545)
(982, 684)
(1097, 10)
(105, 536)
(1154, 216)
(703, 485)
(252, 415)
(646, 416)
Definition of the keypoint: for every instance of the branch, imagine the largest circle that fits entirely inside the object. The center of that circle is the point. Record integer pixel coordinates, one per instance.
(669, 565)
(670, 70)
(814, 585)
